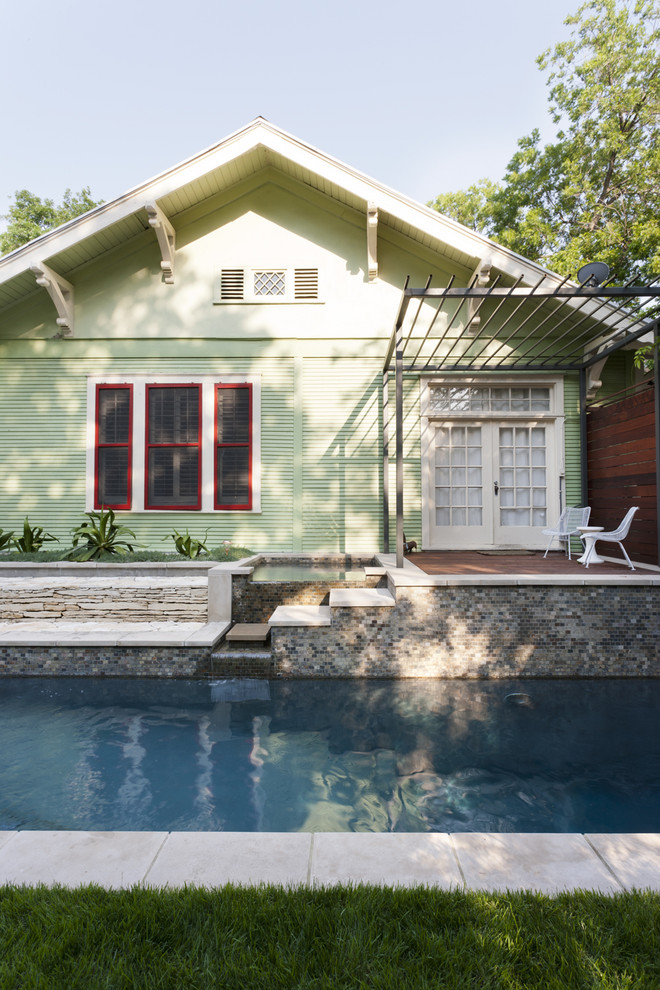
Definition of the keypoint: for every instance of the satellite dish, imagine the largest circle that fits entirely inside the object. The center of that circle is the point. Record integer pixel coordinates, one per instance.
(595, 273)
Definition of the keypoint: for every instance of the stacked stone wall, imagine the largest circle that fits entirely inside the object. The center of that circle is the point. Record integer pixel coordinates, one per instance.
(121, 599)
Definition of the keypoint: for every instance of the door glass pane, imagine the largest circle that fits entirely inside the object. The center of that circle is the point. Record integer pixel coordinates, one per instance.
(526, 446)
(458, 446)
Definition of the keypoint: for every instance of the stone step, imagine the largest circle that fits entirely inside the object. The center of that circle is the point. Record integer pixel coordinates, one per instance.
(301, 615)
(248, 632)
(361, 598)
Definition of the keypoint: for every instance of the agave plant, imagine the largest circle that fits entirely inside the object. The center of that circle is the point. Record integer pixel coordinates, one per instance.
(188, 546)
(33, 538)
(101, 535)
(6, 539)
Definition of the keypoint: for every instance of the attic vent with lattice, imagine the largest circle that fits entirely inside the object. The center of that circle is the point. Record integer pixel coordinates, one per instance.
(231, 283)
(267, 285)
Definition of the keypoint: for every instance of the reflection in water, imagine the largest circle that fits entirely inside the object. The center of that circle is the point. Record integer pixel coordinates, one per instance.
(412, 756)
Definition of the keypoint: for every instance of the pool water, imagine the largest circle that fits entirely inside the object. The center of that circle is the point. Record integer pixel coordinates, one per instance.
(296, 572)
(362, 756)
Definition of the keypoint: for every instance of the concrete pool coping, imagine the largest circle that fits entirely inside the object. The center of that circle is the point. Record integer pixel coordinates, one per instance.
(493, 861)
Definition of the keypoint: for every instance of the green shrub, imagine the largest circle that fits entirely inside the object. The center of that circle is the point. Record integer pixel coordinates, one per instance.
(101, 535)
(33, 538)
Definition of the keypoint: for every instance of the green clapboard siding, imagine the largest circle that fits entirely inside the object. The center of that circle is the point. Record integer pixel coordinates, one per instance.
(342, 454)
(573, 491)
(43, 408)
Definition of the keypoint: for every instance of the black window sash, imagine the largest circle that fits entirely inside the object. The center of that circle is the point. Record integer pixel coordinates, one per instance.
(113, 446)
(233, 447)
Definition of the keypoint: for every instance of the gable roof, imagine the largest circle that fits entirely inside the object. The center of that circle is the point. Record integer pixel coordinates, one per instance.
(258, 145)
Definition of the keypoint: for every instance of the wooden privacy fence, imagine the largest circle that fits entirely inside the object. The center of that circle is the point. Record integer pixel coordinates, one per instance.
(622, 470)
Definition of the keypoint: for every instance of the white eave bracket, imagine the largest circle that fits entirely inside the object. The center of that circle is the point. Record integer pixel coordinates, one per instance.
(372, 241)
(61, 292)
(166, 240)
(480, 279)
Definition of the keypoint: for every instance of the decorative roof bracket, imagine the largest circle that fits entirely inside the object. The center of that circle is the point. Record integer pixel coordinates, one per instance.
(593, 378)
(61, 292)
(480, 279)
(166, 240)
(372, 241)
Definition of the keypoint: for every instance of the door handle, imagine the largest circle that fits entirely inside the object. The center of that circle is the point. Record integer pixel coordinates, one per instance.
(497, 487)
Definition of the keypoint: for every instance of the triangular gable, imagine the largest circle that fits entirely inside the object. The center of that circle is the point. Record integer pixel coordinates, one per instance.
(254, 147)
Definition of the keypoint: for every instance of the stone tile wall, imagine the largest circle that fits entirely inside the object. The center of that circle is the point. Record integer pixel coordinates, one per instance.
(478, 631)
(255, 601)
(102, 661)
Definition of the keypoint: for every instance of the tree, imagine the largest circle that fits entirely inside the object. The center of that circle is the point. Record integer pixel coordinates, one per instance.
(594, 192)
(30, 216)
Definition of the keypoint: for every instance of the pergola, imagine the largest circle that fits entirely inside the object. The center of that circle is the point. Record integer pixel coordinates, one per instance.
(552, 326)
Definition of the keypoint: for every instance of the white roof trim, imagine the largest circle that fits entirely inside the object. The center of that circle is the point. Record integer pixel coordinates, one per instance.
(261, 133)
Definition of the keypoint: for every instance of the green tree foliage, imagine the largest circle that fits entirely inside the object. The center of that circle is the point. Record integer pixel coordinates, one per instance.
(594, 192)
(30, 216)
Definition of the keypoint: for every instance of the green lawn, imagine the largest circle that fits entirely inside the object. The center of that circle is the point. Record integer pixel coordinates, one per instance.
(364, 937)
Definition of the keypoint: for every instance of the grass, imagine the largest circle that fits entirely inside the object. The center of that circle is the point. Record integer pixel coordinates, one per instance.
(46, 556)
(327, 938)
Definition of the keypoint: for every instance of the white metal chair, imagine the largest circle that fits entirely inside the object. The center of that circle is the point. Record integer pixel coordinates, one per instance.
(613, 536)
(569, 522)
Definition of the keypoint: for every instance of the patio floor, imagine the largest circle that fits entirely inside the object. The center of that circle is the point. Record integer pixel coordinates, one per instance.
(509, 562)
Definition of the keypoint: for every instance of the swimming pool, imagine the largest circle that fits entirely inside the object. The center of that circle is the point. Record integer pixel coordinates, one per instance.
(296, 572)
(363, 756)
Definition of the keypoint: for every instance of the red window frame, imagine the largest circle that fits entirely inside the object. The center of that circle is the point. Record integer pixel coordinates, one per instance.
(222, 445)
(149, 446)
(128, 445)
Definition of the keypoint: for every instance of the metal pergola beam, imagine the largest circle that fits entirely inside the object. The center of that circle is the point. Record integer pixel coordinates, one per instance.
(561, 292)
(590, 340)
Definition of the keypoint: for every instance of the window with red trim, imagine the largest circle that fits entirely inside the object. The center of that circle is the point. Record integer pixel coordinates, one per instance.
(113, 454)
(173, 453)
(233, 447)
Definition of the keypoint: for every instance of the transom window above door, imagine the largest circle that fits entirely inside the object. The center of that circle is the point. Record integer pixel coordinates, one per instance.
(489, 398)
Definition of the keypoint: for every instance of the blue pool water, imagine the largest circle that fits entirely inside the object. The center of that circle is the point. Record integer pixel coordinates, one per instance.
(413, 756)
(296, 572)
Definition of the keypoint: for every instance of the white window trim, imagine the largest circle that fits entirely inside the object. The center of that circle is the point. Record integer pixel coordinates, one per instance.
(207, 383)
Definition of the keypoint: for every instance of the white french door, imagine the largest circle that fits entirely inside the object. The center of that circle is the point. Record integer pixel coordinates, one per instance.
(492, 483)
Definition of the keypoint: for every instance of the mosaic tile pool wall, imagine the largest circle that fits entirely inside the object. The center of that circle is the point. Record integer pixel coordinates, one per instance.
(477, 631)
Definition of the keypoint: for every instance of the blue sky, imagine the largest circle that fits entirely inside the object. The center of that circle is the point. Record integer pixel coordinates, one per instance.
(425, 97)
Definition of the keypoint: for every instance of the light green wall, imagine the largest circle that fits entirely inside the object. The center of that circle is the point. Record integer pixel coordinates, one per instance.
(319, 365)
(573, 480)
